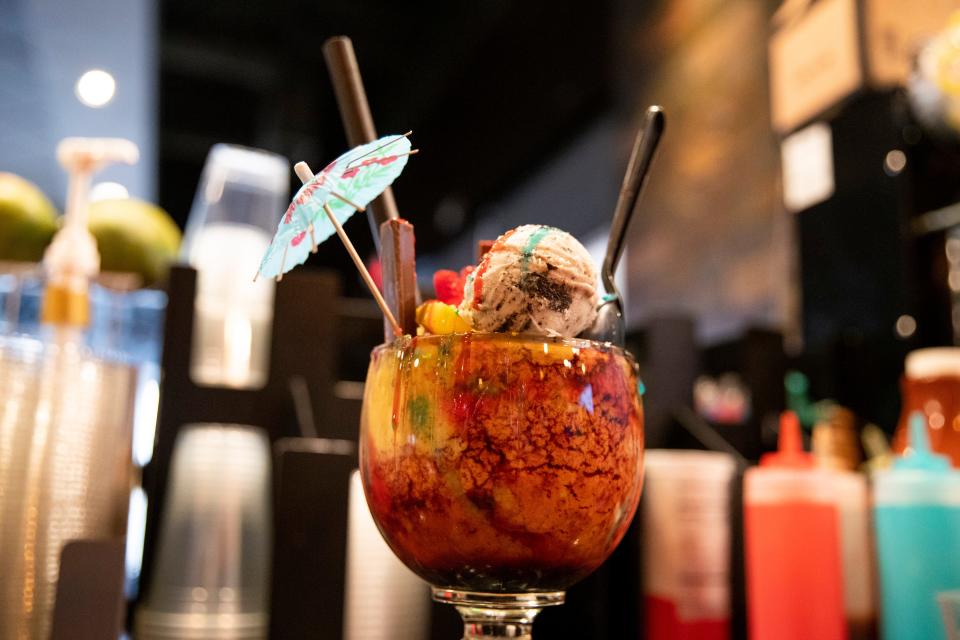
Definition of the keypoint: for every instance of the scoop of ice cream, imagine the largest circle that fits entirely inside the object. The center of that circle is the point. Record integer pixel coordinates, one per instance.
(535, 279)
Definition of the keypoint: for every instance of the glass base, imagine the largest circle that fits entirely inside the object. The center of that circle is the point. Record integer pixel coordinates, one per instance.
(498, 615)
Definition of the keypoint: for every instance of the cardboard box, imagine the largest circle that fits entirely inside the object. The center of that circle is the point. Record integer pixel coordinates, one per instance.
(837, 47)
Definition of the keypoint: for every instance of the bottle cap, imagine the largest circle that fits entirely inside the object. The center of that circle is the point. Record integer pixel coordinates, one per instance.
(789, 453)
(934, 362)
(919, 477)
(918, 455)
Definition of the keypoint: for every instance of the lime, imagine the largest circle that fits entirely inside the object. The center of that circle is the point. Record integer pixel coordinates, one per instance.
(28, 219)
(134, 236)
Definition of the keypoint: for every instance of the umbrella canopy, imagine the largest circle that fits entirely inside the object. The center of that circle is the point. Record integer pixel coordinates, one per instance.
(346, 185)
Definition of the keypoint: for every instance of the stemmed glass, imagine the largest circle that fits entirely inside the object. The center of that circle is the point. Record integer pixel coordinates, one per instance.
(501, 468)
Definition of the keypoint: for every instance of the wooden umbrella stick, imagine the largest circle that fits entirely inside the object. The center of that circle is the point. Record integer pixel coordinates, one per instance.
(313, 240)
(305, 174)
(349, 202)
(397, 331)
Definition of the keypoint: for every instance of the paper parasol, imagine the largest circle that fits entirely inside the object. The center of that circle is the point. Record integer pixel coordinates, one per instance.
(345, 185)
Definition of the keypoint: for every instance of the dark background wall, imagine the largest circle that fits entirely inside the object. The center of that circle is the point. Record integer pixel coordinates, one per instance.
(525, 113)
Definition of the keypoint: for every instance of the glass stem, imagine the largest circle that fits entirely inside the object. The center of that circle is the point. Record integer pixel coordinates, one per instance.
(497, 623)
(489, 615)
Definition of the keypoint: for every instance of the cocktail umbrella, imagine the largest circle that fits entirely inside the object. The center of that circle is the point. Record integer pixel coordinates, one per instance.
(345, 186)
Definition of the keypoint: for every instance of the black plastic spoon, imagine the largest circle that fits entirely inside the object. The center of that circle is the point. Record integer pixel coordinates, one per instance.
(609, 325)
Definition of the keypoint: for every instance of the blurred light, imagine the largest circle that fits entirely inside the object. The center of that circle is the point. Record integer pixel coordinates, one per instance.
(108, 191)
(136, 530)
(95, 88)
(796, 382)
(145, 414)
(953, 279)
(237, 348)
(895, 161)
(906, 326)
(586, 398)
(953, 249)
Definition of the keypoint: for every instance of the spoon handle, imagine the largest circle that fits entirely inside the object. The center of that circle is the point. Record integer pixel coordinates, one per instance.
(633, 180)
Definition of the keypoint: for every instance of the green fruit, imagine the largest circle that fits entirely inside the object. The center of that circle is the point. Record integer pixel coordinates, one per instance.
(134, 236)
(28, 219)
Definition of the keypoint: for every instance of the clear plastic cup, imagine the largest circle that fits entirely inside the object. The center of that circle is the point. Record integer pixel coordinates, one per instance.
(239, 201)
(211, 576)
(686, 534)
(384, 600)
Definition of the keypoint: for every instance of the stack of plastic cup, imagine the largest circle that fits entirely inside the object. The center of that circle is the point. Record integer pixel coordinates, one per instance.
(384, 599)
(917, 516)
(233, 219)
(65, 419)
(211, 572)
(686, 544)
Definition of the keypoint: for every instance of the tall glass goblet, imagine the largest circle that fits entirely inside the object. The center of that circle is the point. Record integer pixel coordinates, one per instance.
(501, 468)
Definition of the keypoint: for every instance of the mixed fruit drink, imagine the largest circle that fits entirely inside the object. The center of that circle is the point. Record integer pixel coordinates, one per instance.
(501, 455)
(501, 463)
(501, 452)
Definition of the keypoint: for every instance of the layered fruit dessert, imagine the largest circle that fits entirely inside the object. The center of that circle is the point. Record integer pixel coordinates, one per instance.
(499, 452)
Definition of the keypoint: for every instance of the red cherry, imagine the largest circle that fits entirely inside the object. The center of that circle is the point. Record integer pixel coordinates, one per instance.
(448, 286)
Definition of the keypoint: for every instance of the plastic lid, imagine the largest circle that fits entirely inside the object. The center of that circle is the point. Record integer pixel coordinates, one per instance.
(918, 455)
(935, 362)
(689, 464)
(919, 476)
(789, 453)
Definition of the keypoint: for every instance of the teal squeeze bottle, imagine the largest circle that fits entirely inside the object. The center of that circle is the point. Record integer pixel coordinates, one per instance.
(917, 506)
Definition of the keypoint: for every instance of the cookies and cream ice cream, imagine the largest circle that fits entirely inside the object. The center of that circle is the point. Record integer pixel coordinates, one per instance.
(534, 279)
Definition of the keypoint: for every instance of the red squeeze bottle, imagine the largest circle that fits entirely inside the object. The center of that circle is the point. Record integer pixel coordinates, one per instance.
(792, 540)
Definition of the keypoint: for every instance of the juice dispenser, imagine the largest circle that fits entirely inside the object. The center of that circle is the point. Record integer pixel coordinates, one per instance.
(65, 419)
(917, 515)
(806, 547)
